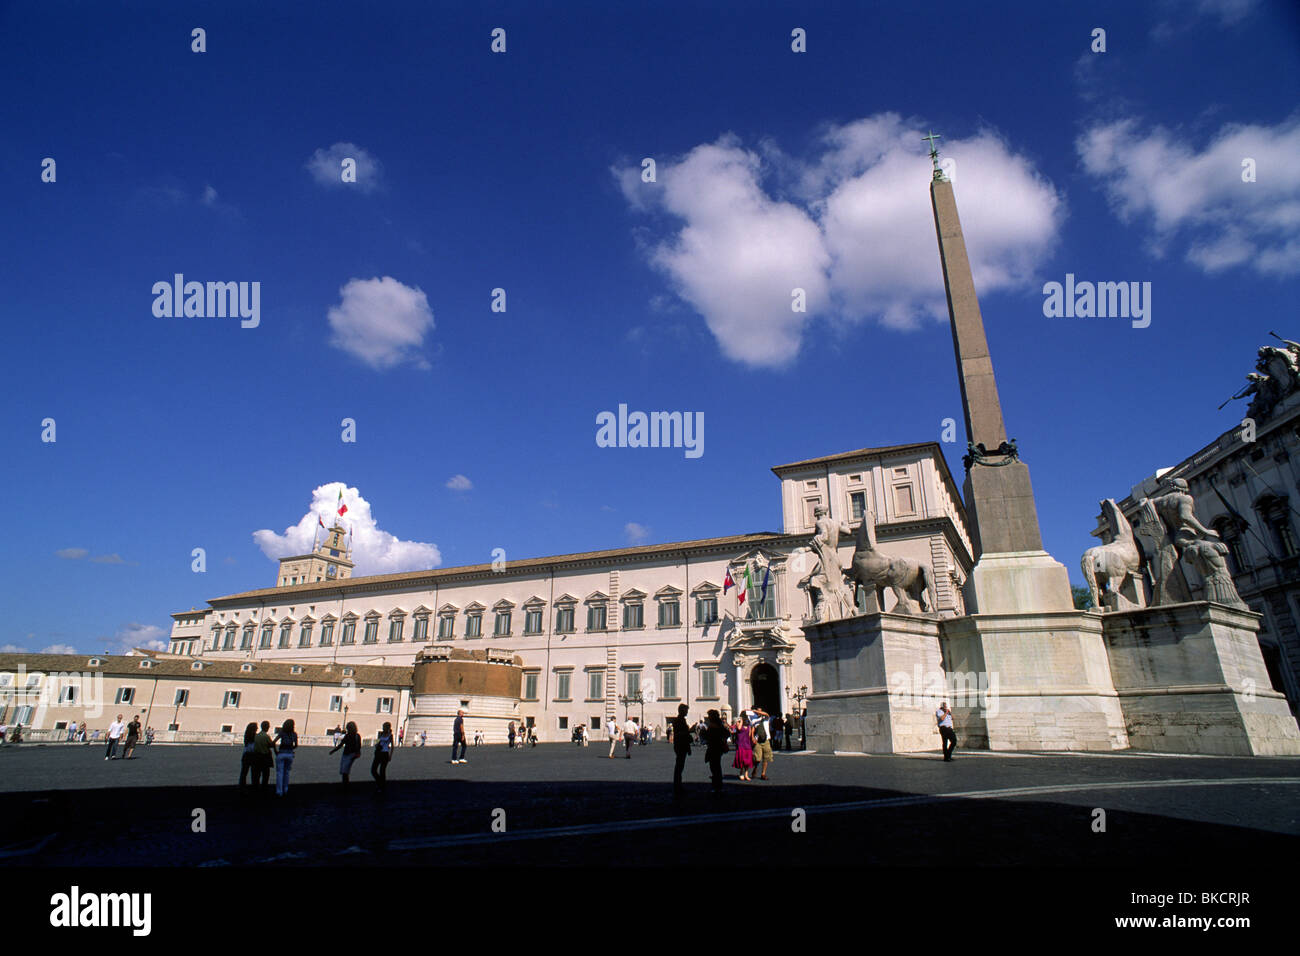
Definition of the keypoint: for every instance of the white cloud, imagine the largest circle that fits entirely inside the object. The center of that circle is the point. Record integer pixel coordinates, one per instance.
(12, 649)
(635, 533)
(374, 551)
(59, 649)
(459, 483)
(1184, 14)
(381, 322)
(133, 635)
(326, 167)
(1196, 199)
(855, 231)
(72, 554)
(209, 196)
(108, 559)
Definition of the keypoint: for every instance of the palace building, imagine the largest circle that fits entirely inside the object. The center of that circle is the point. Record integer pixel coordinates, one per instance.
(601, 634)
(552, 642)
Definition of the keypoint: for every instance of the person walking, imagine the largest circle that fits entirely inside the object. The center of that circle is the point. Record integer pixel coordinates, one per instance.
(944, 716)
(424, 738)
(586, 737)
(286, 743)
(351, 744)
(246, 761)
(510, 732)
(629, 736)
(263, 758)
(680, 732)
(132, 738)
(383, 753)
(115, 730)
(81, 733)
(458, 738)
(762, 742)
(401, 735)
(715, 745)
(611, 729)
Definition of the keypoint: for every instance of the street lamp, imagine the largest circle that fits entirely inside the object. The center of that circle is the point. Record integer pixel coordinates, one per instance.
(801, 695)
(636, 698)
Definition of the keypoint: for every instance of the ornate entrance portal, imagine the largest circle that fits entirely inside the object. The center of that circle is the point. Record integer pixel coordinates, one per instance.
(765, 688)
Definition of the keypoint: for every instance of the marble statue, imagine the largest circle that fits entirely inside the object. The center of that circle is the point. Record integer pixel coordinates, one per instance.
(1207, 558)
(1110, 566)
(832, 599)
(1167, 526)
(1276, 376)
(911, 581)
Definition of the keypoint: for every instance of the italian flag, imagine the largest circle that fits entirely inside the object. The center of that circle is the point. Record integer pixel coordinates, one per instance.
(742, 585)
(749, 581)
(343, 509)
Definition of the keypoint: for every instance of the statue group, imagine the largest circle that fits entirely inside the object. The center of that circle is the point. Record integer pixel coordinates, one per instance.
(1168, 539)
(1276, 376)
(833, 590)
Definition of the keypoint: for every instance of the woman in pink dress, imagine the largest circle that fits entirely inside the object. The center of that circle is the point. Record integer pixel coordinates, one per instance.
(744, 761)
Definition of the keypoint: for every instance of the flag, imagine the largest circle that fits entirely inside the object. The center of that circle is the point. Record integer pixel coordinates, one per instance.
(767, 576)
(749, 580)
(343, 509)
(741, 585)
(321, 523)
(727, 583)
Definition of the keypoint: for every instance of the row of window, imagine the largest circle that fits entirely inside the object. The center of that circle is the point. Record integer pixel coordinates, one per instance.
(669, 616)
(633, 687)
(230, 699)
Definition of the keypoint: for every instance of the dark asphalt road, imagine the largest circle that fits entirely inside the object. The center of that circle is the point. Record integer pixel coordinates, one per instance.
(66, 806)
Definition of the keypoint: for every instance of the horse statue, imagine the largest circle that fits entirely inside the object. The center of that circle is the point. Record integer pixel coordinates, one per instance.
(911, 581)
(1109, 567)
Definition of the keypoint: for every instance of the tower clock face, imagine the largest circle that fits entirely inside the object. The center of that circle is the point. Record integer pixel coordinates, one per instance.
(330, 571)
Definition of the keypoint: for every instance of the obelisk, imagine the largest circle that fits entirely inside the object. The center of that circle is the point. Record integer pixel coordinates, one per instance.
(1012, 573)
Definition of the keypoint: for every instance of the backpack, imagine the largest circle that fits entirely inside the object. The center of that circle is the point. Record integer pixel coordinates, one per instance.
(760, 733)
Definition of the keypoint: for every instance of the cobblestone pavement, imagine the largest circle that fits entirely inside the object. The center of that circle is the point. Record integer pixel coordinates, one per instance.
(64, 805)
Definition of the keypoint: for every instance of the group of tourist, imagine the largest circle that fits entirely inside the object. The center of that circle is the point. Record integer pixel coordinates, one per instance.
(264, 751)
(524, 734)
(750, 733)
(116, 731)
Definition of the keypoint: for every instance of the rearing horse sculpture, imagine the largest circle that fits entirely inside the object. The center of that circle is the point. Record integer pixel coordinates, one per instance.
(1108, 567)
(911, 581)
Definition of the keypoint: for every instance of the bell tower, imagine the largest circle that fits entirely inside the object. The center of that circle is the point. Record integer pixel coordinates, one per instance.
(330, 561)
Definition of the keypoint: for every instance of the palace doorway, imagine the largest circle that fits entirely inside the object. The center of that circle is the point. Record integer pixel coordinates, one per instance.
(765, 688)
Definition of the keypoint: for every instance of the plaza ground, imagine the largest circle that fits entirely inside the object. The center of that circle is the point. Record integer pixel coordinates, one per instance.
(64, 805)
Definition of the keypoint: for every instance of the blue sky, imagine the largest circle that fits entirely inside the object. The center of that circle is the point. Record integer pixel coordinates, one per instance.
(520, 171)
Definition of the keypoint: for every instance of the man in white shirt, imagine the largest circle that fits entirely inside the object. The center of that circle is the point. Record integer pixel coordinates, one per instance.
(944, 716)
(630, 732)
(115, 730)
(612, 727)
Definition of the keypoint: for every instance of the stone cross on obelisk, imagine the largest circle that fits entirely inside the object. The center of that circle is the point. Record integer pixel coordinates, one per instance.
(1012, 572)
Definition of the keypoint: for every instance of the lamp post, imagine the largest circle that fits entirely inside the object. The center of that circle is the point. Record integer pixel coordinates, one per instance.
(636, 698)
(801, 695)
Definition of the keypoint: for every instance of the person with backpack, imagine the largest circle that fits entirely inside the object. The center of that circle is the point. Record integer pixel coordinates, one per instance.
(286, 742)
(351, 744)
(762, 742)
